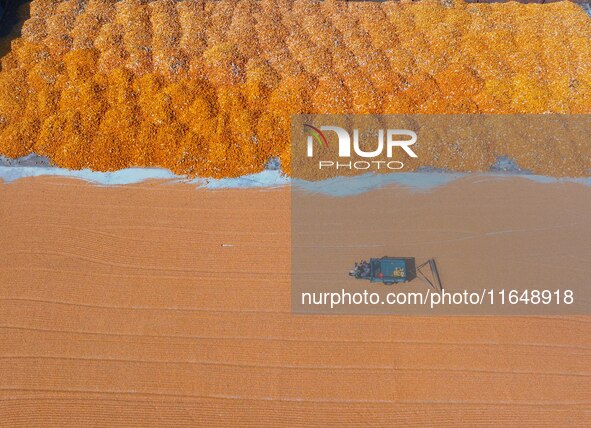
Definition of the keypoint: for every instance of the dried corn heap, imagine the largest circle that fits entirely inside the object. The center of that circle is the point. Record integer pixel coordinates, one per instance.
(207, 88)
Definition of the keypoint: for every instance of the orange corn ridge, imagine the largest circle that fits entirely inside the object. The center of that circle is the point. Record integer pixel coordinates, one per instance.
(207, 88)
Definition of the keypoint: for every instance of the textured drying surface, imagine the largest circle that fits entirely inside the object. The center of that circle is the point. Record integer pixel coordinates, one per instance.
(207, 88)
(115, 311)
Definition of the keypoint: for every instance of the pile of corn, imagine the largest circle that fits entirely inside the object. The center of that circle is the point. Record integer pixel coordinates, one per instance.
(207, 88)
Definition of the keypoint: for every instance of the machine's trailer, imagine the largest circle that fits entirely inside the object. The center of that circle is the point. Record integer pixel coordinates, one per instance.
(392, 270)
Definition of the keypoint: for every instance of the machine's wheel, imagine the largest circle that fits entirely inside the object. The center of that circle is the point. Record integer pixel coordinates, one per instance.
(388, 283)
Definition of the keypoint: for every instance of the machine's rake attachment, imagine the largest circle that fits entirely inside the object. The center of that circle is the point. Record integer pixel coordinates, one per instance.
(435, 281)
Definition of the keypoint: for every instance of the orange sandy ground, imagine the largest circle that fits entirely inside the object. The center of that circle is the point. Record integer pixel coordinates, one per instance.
(115, 309)
(208, 88)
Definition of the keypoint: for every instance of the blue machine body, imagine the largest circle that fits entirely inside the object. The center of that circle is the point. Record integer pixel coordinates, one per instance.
(392, 270)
